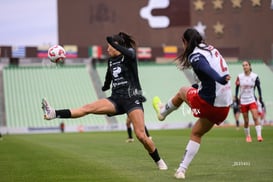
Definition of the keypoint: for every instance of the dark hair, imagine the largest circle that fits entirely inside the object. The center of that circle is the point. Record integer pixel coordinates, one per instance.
(193, 39)
(125, 40)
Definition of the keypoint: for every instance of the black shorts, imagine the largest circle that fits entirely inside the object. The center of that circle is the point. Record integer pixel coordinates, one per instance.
(125, 105)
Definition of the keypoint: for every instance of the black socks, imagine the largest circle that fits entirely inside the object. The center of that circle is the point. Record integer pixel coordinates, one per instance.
(65, 113)
(155, 155)
(129, 131)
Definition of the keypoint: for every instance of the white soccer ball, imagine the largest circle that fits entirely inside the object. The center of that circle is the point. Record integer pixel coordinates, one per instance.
(56, 54)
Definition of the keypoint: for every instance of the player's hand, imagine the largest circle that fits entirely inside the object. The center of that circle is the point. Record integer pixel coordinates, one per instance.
(104, 88)
(142, 98)
(228, 77)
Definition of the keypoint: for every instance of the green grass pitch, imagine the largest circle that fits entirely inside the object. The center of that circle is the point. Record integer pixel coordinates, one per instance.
(105, 157)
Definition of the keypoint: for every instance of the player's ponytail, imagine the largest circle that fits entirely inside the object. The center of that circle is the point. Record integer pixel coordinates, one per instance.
(192, 38)
(128, 40)
(124, 40)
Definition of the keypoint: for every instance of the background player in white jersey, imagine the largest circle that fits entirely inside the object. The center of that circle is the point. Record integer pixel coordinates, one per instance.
(246, 83)
(210, 102)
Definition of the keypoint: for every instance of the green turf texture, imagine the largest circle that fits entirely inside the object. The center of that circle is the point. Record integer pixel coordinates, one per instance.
(105, 157)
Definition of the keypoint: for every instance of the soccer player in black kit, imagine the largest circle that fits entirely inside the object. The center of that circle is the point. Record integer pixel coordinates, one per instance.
(126, 97)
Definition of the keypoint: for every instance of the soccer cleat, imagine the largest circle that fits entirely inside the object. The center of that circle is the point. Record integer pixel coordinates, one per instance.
(260, 138)
(49, 112)
(179, 174)
(248, 139)
(161, 165)
(157, 104)
(130, 140)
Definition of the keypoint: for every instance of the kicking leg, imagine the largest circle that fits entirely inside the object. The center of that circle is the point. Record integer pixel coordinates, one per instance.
(173, 103)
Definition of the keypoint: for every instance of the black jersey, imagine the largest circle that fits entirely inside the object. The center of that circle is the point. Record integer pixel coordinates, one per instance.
(122, 71)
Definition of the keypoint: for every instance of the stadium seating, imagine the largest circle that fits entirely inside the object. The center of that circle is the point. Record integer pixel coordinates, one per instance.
(71, 87)
(64, 87)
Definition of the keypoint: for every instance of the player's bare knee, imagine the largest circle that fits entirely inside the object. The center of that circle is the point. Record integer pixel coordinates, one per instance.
(87, 109)
(141, 136)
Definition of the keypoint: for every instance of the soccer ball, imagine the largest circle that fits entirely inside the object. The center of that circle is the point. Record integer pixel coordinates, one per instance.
(56, 54)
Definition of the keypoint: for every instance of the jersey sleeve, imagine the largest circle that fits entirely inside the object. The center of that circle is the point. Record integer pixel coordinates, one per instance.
(199, 62)
(129, 52)
(237, 82)
(108, 79)
(258, 85)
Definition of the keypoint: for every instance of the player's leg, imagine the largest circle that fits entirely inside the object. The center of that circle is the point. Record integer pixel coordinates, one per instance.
(147, 132)
(201, 127)
(237, 116)
(102, 106)
(244, 110)
(137, 118)
(129, 131)
(255, 116)
(258, 127)
(172, 104)
(246, 126)
(262, 117)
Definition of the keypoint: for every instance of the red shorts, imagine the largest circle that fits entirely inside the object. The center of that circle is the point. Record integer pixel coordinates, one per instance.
(246, 107)
(201, 109)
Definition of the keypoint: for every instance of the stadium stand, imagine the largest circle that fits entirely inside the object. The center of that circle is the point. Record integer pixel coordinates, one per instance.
(68, 86)
(71, 86)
